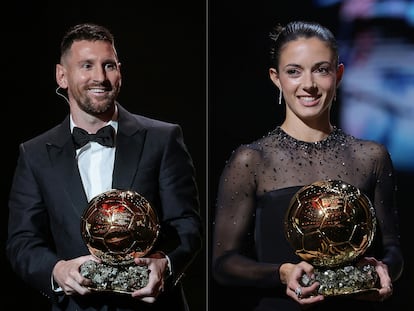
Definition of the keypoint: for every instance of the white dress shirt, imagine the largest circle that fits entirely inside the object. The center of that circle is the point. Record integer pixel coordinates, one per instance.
(95, 163)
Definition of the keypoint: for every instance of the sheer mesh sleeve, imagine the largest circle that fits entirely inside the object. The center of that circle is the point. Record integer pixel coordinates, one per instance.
(234, 222)
(387, 244)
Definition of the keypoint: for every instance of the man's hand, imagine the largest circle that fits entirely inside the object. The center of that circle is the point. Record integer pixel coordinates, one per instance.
(66, 274)
(157, 263)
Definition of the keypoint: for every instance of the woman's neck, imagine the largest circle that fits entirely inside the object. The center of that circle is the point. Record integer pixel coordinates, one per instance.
(305, 132)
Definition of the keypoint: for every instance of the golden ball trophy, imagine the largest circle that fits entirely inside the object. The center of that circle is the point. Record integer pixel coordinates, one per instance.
(330, 224)
(117, 226)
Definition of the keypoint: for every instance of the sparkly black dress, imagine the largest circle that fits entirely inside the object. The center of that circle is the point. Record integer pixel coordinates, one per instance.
(254, 192)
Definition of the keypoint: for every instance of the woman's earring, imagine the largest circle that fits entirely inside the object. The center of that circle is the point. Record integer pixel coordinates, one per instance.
(280, 96)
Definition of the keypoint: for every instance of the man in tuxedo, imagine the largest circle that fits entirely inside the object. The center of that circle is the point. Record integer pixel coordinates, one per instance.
(61, 170)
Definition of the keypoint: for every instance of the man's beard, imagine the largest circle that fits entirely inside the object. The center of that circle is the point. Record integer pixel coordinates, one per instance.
(89, 107)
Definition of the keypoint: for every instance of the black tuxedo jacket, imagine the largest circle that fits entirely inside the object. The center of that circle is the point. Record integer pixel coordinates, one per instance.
(47, 200)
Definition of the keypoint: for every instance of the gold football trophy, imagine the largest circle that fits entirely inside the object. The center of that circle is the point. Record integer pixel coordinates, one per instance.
(117, 226)
(331, 224)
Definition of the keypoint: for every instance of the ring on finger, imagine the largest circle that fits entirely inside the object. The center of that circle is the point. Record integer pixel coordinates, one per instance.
(298, 291)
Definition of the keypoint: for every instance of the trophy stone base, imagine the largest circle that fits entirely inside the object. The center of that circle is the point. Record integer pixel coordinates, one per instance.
(120, 278)
(344, 280)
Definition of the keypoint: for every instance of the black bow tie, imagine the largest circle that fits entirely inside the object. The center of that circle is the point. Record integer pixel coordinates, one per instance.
(105, 136)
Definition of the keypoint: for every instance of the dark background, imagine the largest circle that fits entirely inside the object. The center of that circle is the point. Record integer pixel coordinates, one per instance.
(243, 106)
(162, 48)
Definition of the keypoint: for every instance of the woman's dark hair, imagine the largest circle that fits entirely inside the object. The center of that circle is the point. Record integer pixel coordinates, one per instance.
(280, 35)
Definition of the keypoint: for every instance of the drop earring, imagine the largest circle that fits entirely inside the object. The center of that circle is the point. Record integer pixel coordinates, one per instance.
(280, 96)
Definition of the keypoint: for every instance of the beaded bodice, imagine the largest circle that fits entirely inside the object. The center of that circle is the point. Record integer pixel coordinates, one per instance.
(278, 161)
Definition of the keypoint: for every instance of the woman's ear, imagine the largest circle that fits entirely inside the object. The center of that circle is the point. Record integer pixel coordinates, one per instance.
(274, 76)
(61, 77)
(339, 74)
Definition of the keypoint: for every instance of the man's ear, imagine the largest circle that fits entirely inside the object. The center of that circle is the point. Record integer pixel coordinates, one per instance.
(61, 76)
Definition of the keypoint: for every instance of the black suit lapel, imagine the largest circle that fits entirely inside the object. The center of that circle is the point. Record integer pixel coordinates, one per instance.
(127, 158)
(130, 141)
(63, 160)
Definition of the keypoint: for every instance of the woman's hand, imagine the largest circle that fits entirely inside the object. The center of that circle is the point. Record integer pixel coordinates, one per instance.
(386, 289)
(291, 275)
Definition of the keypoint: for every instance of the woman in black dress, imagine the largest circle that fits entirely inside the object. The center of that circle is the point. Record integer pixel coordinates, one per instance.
(250, 249)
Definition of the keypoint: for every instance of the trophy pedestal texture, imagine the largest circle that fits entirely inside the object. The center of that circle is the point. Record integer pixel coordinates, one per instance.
(330, 224)
(118, 226)
(343, 280)
(122, 278)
